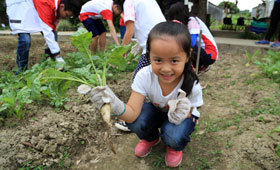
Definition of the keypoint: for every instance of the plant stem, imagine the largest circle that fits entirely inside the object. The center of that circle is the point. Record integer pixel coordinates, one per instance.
(71, 79)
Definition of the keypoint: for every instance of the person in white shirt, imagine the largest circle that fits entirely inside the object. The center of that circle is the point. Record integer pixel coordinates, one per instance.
(92, 14)
(140, 16)
(172, 88)
(30, 16)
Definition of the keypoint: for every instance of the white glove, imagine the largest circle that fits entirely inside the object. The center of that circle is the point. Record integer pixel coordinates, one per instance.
(136, 49)
(179, 108)
(103, 94)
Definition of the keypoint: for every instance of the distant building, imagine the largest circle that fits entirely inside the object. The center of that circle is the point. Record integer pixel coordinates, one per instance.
(263, 10)
(216, 12)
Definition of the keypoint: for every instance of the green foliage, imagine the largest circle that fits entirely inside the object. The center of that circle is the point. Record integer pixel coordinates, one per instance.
(276, 130)
(229, 7)
(66, 25)
(44, 83)
(25, 88)
(270, 65)
(29, 166)
(277, 150)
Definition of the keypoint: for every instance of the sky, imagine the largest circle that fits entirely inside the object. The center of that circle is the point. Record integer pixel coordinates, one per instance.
(242, 4)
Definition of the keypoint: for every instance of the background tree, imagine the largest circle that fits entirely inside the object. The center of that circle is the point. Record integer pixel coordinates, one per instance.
(229, 7)
(3, 15)
(199, 9)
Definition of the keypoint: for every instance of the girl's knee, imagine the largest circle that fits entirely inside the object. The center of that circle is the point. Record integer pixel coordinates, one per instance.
(137, 126)
(176, 142)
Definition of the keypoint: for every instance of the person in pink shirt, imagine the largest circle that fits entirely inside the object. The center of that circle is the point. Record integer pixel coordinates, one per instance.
(209, 49)
(92, 14)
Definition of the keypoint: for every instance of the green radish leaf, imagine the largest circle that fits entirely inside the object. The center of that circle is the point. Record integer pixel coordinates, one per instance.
(81, 40)
(116, 58)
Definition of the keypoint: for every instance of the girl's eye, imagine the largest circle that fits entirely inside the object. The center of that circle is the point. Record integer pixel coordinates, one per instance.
(174, 61)
(157, 60)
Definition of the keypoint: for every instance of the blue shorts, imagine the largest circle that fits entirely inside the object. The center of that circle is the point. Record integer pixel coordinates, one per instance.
(95, 26)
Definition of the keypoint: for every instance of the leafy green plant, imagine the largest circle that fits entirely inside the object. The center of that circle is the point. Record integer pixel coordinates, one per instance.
(270, 65)
(81, 40)
(276, 130)
(251, 57)
(277, 150)
(29, 166)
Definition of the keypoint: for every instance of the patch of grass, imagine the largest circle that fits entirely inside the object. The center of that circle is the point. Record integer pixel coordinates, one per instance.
(203, 163)
(227, 76)
(29, 166)
(270, 65)
(259, 135)
(277, 150)
(266, 106)
(159, 162)
(61, 163)
(235, 104)
(229, 144)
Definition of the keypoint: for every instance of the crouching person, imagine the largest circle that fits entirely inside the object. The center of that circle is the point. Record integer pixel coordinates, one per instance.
(30, 16)
(173, 90)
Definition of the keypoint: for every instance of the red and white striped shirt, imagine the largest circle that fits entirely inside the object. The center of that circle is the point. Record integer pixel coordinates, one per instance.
(97, 9)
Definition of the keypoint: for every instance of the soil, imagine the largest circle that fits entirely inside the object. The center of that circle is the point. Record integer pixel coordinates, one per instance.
(229, 135)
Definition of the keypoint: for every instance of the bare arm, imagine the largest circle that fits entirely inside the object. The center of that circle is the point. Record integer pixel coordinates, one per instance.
(133, 107)
(113, 31)
(128, 33)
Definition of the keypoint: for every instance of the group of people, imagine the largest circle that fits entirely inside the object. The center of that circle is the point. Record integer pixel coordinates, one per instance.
(165, 72)
(274, 22)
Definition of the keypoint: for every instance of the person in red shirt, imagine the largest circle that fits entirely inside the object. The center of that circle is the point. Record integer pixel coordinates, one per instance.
(29, 16)
(92, 15)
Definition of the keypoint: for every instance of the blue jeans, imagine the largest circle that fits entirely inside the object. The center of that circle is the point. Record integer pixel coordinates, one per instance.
(122, 31)
(24, 42)
(150, 119)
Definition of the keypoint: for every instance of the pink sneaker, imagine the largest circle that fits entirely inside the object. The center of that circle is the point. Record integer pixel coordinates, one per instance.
(143, 148)
(173, 158)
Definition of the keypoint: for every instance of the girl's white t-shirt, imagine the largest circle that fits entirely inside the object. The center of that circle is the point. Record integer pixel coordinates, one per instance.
(146, 83)
(145, 14)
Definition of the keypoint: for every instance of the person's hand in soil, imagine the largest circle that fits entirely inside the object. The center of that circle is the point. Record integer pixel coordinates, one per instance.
(103, 94)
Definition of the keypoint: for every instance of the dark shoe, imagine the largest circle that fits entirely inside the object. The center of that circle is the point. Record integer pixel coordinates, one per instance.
(122, 126)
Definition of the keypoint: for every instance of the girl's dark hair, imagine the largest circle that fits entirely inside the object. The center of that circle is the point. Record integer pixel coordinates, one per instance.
(182, 36)
(119, 3)
(180, 12)
(72, 5)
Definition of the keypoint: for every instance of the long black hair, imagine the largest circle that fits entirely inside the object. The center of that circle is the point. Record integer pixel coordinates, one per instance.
(182, 36)
(180, 12)
(72, 5)
(119, 3)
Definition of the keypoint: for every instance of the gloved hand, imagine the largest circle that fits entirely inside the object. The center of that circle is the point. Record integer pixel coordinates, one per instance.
(179, 108)
(103, 94)
(136, 49)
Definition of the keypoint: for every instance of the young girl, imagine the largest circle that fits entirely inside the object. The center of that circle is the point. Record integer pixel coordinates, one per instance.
(209, 49)
(172, 88)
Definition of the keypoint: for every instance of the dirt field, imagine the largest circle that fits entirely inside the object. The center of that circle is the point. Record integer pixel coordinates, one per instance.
(233, 132)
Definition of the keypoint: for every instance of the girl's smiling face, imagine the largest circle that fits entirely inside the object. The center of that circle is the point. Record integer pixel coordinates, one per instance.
(167, 59)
